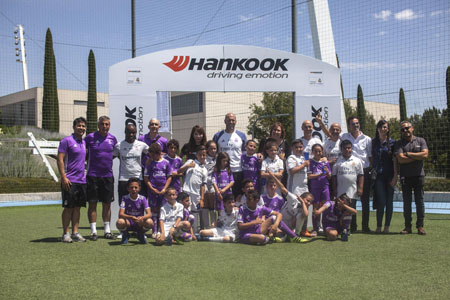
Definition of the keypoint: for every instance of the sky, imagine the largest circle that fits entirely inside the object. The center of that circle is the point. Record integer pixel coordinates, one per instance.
(382, 45)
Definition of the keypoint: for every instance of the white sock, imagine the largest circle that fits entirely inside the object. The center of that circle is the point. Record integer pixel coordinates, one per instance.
(107, 228)
(216, 239)
(93, 227)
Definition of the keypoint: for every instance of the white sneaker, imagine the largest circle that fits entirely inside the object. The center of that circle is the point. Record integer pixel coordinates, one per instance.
(66, 238)
(77, 237)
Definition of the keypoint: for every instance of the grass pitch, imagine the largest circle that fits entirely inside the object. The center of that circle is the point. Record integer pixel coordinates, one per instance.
(36, 265)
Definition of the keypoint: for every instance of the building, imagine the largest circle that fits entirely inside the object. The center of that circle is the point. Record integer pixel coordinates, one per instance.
(25, 107)
(379, 110)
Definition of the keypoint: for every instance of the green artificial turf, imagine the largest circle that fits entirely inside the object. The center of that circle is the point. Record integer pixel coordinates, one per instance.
(36, 265)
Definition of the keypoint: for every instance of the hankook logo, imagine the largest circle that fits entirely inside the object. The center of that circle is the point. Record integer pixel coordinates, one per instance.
(179, 63)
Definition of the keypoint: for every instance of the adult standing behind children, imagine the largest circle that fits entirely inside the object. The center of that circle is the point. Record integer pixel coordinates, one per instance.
(151, 137)
(411, 151)
(71, 159)
(197, 138)
(233, 142)
(130, 153)
(362, 149)
(100, 180)
(307, 139)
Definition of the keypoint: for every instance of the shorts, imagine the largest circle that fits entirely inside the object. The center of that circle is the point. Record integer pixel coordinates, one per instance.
(76, 196)
(223, 232)
(177, 232)
(156, 200)
(133, 226)
(321, 195)
(100, 189)
(245, 238)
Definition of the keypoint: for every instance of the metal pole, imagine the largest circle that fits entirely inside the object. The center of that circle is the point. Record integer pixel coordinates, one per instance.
(294, 50)
(23, 54)
(133, 29)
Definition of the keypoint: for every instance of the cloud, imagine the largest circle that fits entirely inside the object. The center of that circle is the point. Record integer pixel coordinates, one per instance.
(247, 18)
(436, 13)
(381, 33)
(383, 15)
(407, 15)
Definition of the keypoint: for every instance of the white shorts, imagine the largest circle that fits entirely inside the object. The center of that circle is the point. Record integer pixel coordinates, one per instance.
(293, 220)
(195, 201)
(223, 232)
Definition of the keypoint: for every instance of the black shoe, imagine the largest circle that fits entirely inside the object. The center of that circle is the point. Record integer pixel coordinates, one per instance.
(109, 236)
(366, 230)
(406, 230)
(94, 237)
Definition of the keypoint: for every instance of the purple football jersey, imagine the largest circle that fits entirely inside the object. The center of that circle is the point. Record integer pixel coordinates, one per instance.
(275, 203)
(316, 167)
(223, 179)
(175, 164)
(247, 215)
(162, 141)
(330, 217)
(135, 207)
(158, 172)
(251, 168)
(75, 157)
(100, 154)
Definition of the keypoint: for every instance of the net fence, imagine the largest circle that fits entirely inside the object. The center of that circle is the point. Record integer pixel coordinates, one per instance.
(382, 46)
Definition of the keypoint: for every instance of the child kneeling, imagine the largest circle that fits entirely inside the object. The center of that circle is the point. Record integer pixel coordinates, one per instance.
(134, 213)
(336, 217)
(170, 220)
(226, 228)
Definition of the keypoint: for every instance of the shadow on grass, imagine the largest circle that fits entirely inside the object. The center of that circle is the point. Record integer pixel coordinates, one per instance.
(47, 240)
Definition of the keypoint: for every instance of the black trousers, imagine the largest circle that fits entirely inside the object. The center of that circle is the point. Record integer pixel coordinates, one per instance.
(409, 184)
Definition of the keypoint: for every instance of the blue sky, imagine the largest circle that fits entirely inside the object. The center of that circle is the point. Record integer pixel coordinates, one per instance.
(382, 45)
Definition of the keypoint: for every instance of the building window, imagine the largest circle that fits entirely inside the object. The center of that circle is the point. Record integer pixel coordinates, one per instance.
(84, 103)
(187, 104)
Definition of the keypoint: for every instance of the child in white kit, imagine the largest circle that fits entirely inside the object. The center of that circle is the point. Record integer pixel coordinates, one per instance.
(271, 163)
(226, 227)
(297, 167)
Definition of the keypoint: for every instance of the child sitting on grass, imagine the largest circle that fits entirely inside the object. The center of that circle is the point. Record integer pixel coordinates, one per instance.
(183, 198)
(170, 220)
(134, 213)
(336, 217)
(226, 228)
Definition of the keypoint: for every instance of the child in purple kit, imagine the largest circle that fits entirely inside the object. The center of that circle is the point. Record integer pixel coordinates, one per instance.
(175, 163)
(251, 164)
(255, 222)
(336, 217)
(222, 179)
(319, 175)
(247, 187)
(183, 198)
(271, 199)
(157, 178)
(134, 213)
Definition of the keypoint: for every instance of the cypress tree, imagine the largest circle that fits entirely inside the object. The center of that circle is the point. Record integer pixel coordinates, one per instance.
(361, 109)
(447, 85)
(91, 114)
(402, 104)
(50, 105)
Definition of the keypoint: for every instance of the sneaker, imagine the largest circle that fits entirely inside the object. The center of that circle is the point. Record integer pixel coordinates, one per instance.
(299, 239)
(66, 238)
(178, 241)
(169, 240)
(421, 231)
(93, 236)
(109, 236)
(406, 230)
(142, 238)
(154, 234)
(77, 237)
(125, 236)
(378, 230)
(314, 233)
(275, 239)
(366, 230)
(344, 236)
(198, 237)
(306, 233)
(119, 236)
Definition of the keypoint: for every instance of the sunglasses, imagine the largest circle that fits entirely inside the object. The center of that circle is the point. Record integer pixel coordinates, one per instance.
(405, 128)
(355, 123)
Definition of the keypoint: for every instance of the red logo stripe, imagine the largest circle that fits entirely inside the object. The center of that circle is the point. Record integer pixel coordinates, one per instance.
(178, 63)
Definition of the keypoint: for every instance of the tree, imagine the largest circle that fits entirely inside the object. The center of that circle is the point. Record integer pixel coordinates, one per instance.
(91, 114)
(361, 109)
(50, 106)
(371, 124)
(272, 103)
(402, 103)
(447, 85)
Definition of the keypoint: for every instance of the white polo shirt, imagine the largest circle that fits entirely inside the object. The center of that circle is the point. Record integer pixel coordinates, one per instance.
(362, 147)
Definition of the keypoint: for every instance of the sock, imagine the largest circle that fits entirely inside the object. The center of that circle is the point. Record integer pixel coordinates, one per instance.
(93, 227)
(145, 229)
(287, 230)
(155, 224)
(216, 239)
(316, 222)
(107, 227)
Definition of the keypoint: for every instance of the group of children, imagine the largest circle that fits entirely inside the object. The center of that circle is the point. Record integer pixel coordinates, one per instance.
(277, 214)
